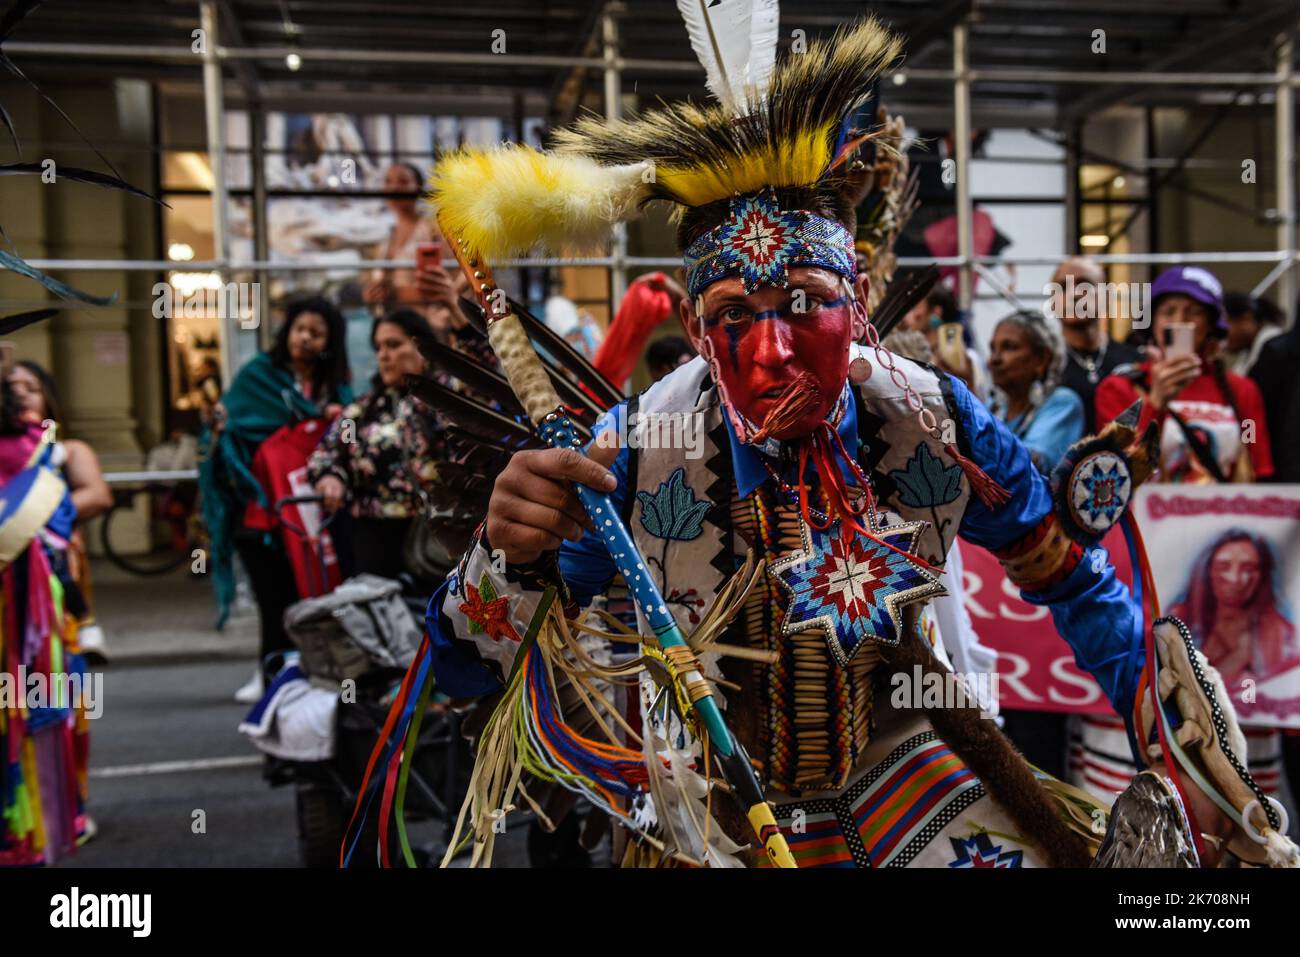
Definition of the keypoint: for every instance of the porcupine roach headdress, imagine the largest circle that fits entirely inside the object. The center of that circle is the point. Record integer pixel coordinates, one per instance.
(775, 126)
(774, 153)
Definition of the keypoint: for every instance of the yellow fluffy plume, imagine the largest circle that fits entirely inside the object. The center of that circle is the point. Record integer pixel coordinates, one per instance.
(511, 200)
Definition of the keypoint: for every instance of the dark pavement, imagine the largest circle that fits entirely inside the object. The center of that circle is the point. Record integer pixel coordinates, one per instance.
(166, 746)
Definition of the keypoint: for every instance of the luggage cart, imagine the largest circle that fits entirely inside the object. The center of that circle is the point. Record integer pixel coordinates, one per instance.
(326, 791)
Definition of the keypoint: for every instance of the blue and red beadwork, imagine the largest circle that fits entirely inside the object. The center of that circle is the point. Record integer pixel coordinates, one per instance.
(760, 242)
(854, 587)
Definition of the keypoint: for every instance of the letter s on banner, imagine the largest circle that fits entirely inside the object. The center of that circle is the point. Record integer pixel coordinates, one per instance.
(1036, 612)
(1066, 675)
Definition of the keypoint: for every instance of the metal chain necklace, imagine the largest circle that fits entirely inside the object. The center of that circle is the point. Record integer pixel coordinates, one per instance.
(1091, 363)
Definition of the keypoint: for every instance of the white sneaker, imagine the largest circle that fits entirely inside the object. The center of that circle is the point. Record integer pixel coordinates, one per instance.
(94, 646)
(252, 690)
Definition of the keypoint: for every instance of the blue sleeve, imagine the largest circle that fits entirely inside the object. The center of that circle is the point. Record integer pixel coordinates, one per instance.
(1093, 611)
(459, 670)
(1058, 425)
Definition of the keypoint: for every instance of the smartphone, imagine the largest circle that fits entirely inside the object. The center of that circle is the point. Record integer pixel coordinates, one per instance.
(1179, 339)
(428, 255)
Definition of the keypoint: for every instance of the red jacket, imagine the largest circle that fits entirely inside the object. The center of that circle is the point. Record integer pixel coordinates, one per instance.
(1203, 407)
(280, 466)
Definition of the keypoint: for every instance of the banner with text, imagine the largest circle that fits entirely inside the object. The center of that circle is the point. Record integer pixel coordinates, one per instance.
(1226, 560)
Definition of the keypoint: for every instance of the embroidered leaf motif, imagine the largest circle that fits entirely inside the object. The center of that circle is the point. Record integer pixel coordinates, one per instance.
(673, 511)
(926, 482)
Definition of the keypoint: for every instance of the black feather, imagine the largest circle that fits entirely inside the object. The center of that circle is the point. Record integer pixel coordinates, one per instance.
(8, 122)
(489, 383)
(14, 15)
(12, 67)
(604, 392)
(470, 415)
(77, 175)
(464, 439)
(13, 263)
(11, 324)
(562, 375)
(474, 313)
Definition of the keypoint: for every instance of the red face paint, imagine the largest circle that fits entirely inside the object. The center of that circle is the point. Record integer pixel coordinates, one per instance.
(767, 340)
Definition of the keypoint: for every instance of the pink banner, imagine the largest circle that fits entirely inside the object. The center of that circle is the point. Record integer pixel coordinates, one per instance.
(1036, 670)
(1226, 560)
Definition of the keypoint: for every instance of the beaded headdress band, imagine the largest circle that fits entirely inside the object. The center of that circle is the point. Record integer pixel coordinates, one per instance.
(760, 242)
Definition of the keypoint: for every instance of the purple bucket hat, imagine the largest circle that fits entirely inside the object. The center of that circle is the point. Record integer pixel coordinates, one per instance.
(1199, 284)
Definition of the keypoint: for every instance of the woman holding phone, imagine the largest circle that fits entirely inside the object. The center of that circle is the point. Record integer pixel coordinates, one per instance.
(414, 236)
(1212, 422)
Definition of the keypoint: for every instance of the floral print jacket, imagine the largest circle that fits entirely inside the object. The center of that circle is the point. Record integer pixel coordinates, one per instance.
(382, 449)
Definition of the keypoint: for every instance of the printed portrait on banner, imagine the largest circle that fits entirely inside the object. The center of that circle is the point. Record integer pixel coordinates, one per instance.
(1227, 562)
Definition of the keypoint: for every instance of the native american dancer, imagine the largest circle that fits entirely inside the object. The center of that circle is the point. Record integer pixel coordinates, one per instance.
(786, 500)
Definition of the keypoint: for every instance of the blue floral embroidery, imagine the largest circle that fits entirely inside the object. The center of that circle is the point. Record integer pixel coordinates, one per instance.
(673, 512)
(926, 482)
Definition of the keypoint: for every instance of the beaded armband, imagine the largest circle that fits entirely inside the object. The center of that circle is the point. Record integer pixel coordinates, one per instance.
(1042, 558)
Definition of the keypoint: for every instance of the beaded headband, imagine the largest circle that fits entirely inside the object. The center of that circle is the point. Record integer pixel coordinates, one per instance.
(760, 241)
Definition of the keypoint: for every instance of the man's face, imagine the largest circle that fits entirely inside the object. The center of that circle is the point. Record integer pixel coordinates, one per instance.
(1082, 281)
(766, 340)
(1242, 330)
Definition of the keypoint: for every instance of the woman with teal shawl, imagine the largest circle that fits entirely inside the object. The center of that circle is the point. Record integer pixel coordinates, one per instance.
(304, 374)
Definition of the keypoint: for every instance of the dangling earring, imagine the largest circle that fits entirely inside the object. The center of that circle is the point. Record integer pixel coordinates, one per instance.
(859, 368)
(1037, 393)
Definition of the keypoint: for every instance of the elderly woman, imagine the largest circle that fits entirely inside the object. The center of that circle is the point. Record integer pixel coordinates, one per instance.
(1026, 360)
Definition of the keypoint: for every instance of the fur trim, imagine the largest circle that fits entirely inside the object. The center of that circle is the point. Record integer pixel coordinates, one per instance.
(511, 200)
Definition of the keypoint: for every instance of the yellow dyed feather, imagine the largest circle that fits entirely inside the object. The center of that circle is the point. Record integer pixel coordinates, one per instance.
(703, 153)
(795, 163)
(510, 200)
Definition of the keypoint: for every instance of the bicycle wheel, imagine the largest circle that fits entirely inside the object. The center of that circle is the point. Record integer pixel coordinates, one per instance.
(157, 562)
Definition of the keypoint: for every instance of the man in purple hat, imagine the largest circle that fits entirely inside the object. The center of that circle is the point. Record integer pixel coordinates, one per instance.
(1212, 422)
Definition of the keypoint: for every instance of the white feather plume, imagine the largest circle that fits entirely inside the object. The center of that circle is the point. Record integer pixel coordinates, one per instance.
(735, 42)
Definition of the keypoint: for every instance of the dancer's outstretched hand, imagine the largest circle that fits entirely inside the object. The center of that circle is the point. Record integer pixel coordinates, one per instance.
(533, 506)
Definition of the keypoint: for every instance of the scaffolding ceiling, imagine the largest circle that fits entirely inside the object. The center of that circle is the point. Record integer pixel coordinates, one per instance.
(1051, 41)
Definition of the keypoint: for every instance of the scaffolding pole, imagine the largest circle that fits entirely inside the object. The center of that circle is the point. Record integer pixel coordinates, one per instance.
(215, 117)
(1284, 110)
(961, 154)
(613, 112)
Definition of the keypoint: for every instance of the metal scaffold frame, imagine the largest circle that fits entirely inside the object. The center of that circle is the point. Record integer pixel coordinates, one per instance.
(613, 66)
